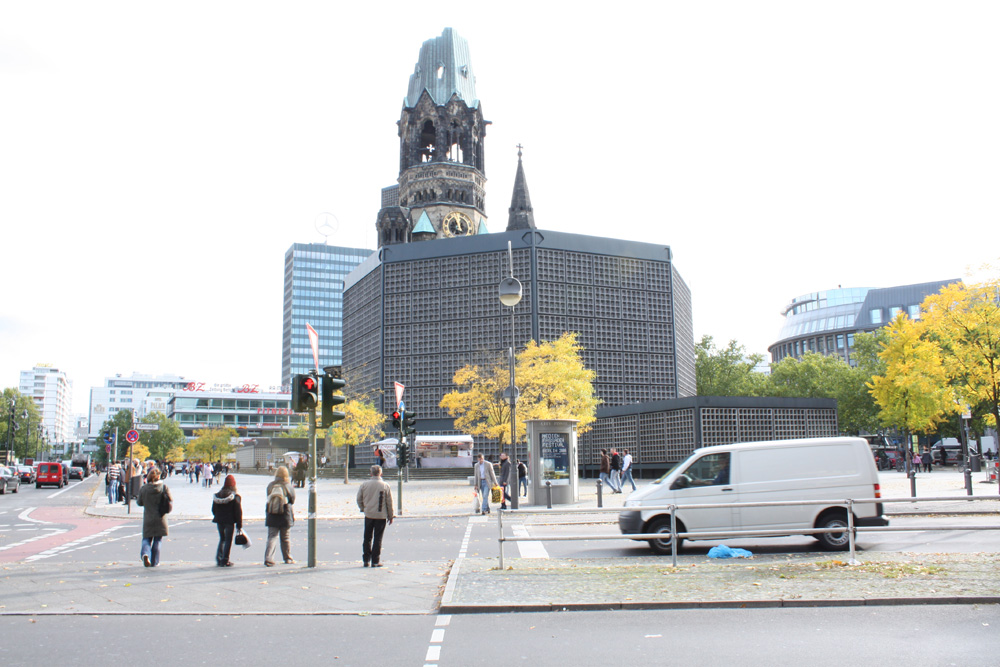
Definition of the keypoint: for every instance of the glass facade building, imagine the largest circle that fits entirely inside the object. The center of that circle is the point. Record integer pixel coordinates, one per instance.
(826, 322)
(250, 414)
(314, 295)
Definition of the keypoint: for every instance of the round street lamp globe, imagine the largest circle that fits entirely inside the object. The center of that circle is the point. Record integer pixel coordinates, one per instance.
(510, 291)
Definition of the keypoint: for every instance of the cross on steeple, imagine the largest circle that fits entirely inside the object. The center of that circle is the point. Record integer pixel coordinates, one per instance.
(519, 147)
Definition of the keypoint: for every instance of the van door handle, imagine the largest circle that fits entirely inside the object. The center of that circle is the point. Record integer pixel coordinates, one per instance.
(729, 489)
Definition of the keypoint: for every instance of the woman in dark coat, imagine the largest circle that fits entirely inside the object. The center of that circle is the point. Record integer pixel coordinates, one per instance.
(279, 524)
(154, 524)
(227, 514)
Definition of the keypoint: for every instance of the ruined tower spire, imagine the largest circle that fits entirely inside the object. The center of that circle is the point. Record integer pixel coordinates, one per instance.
(520, 214)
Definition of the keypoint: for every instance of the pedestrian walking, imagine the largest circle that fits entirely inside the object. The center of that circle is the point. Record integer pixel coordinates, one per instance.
(279, 517)
(484, 479)
(627, 470)
(227, 515)
(154, 518)
(616, 470)
(504, 480)
(605, 469)
(522, 478)
(926, 458)
(375, 501)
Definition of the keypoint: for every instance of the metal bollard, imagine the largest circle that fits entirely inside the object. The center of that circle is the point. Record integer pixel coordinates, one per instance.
(548, 494)
(600, 494)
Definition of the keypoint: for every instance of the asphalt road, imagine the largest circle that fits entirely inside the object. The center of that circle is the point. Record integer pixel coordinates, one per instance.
(911, 636)
(50, 526)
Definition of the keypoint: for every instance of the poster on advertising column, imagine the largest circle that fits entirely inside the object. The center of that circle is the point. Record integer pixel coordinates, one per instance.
(555, 458)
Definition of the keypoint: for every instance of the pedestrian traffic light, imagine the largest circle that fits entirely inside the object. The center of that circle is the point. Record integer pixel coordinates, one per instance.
(330, 385)
(396, 417)
(305, 393)
(410, 423)
(402, 454)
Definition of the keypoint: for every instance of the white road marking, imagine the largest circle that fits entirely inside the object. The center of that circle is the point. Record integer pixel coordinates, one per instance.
(68, 487)
(23, 516)
(433, 653)
(437, 636)
(528, 549)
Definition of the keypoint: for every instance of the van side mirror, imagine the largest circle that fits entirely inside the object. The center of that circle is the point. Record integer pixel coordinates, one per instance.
(680, 483)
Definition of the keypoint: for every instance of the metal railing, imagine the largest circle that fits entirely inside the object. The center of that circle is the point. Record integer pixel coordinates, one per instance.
(848, 505)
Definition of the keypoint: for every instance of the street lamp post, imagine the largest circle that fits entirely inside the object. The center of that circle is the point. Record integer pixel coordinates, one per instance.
(510, 295)
(10, 426)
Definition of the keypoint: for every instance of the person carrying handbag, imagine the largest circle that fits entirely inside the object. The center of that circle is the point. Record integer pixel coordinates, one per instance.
(484, 480)
(227, 514)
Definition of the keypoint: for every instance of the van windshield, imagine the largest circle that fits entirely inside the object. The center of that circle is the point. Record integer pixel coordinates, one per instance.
(669, 472)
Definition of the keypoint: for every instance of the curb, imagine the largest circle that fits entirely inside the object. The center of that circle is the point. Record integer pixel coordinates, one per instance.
(716, 604)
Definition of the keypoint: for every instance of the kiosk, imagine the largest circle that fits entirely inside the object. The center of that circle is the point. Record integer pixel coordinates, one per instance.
(553, 458)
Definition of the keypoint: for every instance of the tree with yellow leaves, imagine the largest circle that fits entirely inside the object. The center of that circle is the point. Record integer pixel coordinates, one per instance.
(553, 384)
(964, 320)
(362, 423)
(914, 394)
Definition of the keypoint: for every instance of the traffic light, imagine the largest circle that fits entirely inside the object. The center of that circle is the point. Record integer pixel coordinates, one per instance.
(305, 393)
(330, 385)
(409, 423)
(402, 455)
(396, 417)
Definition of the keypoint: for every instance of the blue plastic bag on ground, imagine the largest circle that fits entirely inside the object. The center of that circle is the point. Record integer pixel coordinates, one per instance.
(722, 551)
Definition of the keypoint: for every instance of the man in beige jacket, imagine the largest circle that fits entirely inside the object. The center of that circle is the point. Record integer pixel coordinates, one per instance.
(375, 500)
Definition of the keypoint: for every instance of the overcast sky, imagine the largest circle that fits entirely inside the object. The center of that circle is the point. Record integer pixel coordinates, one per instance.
(158, 159)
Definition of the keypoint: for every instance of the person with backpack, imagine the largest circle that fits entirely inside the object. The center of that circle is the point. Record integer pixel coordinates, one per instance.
(227, 514)
(375, 501)
(279, 517)
(156, 502)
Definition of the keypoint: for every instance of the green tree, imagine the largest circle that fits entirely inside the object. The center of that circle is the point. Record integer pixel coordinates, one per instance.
(812, 376)
(964, 320)
(211, 444)
(24, 431)
(123, 421)
(914, 393)
(857, 411)
(553, 381)
(167, 437)
(727, 372)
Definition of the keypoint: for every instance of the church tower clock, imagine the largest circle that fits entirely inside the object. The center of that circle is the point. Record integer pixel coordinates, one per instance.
(441, 185)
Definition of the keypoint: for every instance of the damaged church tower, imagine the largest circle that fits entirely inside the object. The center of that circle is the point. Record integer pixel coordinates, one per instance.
(441, 186)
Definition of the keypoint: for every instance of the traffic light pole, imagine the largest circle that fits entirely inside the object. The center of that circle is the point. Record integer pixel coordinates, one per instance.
(312, 488)
(399, 476)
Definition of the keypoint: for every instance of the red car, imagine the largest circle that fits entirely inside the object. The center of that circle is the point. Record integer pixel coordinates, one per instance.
(55, 474)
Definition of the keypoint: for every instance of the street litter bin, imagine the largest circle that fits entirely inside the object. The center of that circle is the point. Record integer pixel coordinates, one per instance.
(975, 463)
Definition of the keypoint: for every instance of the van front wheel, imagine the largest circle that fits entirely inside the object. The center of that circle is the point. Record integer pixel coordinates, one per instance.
(833, 541)
(663, 546)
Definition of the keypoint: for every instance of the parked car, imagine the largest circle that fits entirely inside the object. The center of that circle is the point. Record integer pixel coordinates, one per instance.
(51, 473)
(26, 474)
(76, 473)
(9, 480)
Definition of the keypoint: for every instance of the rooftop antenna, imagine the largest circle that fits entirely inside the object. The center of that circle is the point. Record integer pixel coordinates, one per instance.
(327, 225)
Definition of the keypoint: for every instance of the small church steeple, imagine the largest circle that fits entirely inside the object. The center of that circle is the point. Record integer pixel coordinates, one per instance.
(520, 214)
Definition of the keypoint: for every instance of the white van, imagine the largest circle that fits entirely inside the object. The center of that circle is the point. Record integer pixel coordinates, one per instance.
(777, 470)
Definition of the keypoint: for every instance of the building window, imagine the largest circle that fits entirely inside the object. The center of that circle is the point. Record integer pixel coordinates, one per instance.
(876, 315)
(914, 312)
(840, 341)
(893, 312)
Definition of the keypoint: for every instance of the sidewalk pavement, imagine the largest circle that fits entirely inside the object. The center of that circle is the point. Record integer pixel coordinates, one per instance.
(474, 582)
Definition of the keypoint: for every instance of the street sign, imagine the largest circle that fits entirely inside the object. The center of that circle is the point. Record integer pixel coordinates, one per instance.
(399, 393)
(107, 449)
(402, 407)
(132, 436)
(313, 343)
(147, 427)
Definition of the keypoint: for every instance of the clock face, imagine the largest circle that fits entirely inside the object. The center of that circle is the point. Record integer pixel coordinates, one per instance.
(456, 224)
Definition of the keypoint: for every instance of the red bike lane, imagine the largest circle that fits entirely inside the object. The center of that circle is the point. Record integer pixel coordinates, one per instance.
(76, 524)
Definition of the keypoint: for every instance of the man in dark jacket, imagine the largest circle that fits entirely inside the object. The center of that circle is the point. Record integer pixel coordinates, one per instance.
(227, 514)
(504, 480)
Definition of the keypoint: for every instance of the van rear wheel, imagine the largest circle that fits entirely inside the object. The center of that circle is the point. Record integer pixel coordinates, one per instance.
(833, 541)
(663, 546)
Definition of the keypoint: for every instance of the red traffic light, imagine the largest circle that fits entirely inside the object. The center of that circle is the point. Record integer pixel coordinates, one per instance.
(395, 415)
(309, 383)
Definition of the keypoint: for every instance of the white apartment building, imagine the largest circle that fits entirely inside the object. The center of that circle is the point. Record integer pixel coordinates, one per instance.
(52, 393)
(141, 393)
